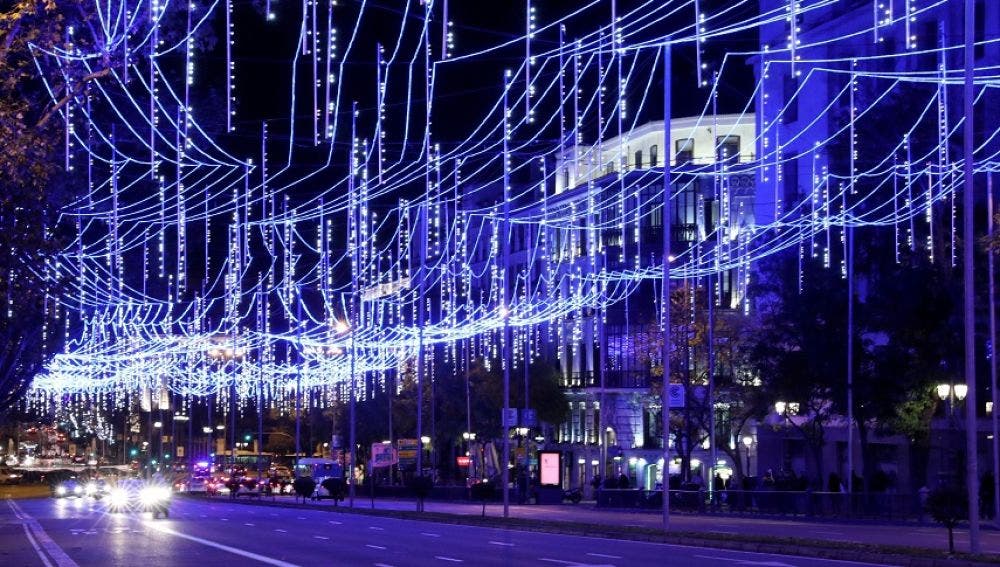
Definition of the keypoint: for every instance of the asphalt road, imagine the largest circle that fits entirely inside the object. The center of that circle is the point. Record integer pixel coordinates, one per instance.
(66, 533)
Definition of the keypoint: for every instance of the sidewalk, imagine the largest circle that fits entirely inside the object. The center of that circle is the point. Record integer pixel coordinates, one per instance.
(927, 536)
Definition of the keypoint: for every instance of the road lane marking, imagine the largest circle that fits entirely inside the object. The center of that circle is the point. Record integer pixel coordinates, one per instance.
(38, 550)
(374, 546)
(452, 559)
(301, 518)
(428, 534)
(605, 555)
(335, 522)
(320, 537)
(281, 530)
(502, 543)
(383, 565)
(223, 547)
(376, 528)
(44, 541)
(224, 519)
(739, 561)
(251, 525)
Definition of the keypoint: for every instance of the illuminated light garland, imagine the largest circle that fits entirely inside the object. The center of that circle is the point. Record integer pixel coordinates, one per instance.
(386, 333)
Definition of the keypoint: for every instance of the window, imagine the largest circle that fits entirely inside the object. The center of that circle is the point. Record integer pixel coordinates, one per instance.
(652, 155)
(684, 150)
(728, 148)
(789, 85)
(565, 174)
(610, 168)
(638, 159)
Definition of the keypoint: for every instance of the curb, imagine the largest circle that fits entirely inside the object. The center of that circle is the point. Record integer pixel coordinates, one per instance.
(904, 556)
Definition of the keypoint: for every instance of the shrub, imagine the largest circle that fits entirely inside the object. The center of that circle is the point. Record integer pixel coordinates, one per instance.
(304, 486)
(948, 506)
(337, 488)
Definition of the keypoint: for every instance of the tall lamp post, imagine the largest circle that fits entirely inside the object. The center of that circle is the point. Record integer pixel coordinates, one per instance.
(747, 444)
(951, 393)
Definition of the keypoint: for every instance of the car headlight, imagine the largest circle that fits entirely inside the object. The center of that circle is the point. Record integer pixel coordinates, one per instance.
(61, 490)
(154, 495)
(91, 488)
(119, 497)
(77, 489)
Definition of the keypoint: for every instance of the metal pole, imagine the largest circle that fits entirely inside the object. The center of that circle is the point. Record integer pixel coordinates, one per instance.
(971, 428)
(993, 358)
(850, 360)
(665, 301)
(298, 381)
(505, 247)
(353, 238)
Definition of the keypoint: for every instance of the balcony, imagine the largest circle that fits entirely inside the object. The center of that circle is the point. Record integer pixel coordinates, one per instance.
(613, 379)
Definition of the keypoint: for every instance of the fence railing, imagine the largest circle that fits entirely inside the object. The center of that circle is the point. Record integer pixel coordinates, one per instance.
(876, 505)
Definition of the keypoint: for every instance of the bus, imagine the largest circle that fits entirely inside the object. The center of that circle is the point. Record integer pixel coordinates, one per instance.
(319, 469)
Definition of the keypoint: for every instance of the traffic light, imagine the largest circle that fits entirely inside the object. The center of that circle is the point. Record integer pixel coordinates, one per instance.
(133, 452)
(247, 437)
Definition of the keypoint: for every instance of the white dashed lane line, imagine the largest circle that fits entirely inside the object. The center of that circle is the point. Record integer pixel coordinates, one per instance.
(374, 546)
(605, 555)
(376, 528)
(251, 525)
(281, 530)
(320, 537)
(451, 559)
(503, 543)
(428, 534)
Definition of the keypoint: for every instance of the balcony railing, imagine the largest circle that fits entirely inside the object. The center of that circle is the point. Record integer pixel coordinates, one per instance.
(612, 379)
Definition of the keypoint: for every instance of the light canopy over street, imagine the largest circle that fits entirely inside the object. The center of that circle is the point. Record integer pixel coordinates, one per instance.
(717, 257)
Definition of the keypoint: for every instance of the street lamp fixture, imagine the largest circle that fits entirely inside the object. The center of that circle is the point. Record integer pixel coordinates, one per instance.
(206, 429)
(220, 427)
(780, 407)
(157, 424)
(181, 417)
(425, 440)
(748, 442)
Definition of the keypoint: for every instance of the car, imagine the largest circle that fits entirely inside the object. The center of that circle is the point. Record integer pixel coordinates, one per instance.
(8, 476)
(69, 488)
(134, 495)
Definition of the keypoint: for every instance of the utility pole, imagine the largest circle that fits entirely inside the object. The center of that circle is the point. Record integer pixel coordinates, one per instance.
(505, 306)
(968, 299)
(665, 302)
(993, 357)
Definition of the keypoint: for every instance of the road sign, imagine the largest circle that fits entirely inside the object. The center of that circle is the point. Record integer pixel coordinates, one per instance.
(510, 419)
(407, 454)
(675, 396)
(529, 418)
(383, 455)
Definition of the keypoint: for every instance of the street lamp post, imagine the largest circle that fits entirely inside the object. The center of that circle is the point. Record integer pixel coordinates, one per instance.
(747, 443)
(951, 393)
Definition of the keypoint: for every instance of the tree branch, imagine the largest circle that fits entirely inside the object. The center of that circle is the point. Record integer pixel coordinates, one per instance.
(77, 89)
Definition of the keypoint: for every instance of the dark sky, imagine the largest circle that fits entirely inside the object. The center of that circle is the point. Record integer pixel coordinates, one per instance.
(464, 90)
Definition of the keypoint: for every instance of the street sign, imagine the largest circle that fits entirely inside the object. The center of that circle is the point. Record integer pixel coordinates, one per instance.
(675, 396)
(529, 418)
(510, 419)
(463, 460)
(383, 455)
(407, 454)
